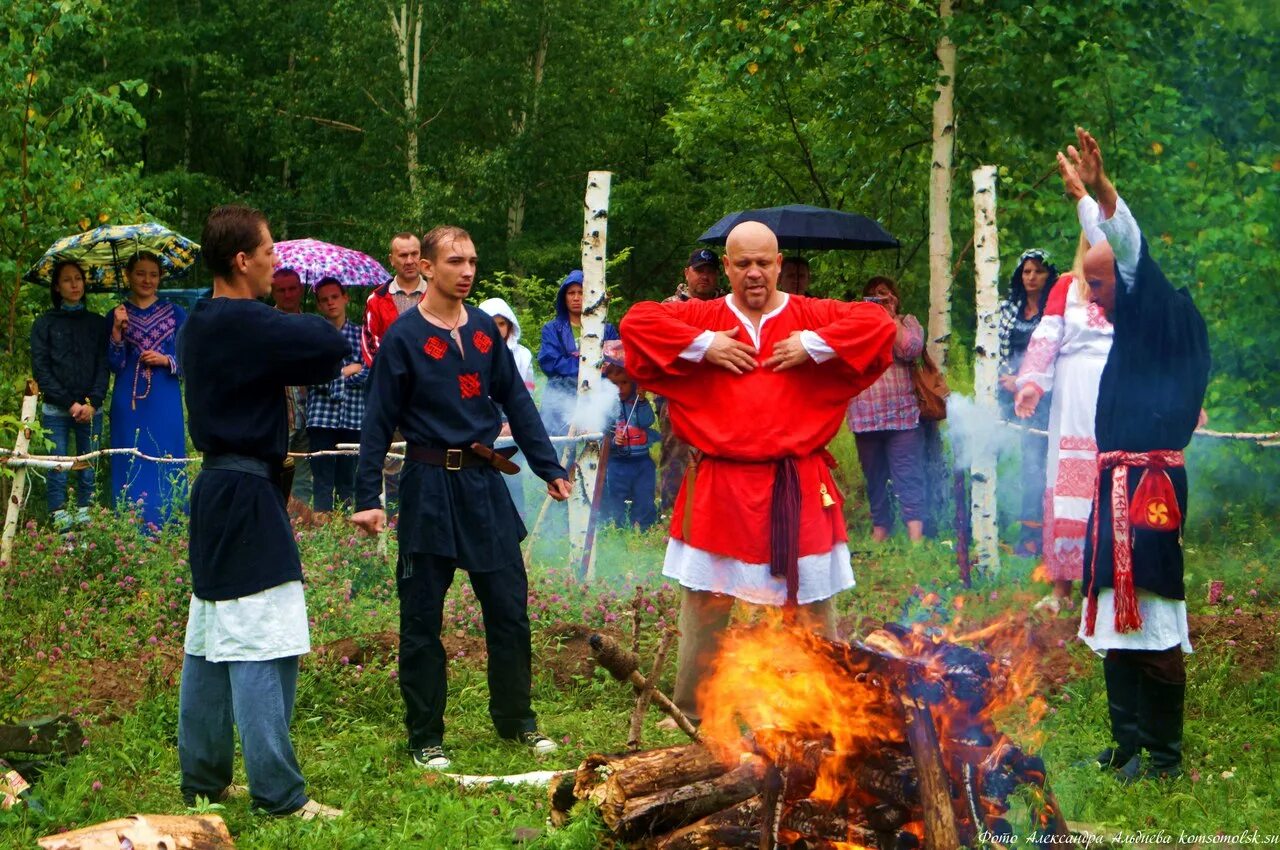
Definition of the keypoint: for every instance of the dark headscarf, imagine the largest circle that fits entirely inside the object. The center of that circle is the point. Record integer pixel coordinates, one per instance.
(1018, 292)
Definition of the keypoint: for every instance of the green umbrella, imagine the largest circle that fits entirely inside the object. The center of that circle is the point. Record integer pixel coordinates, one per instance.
(103, 252)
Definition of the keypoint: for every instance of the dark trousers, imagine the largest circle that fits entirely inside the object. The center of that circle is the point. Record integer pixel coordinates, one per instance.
(422, 583)
(1146, 691)
(630, 480)
(333, 476)
(896, 456)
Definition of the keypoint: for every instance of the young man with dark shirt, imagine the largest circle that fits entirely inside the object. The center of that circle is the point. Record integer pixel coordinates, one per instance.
(248, 620)
(441, 377)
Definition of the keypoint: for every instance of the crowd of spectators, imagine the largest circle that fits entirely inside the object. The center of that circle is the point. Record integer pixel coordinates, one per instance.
(75, 351)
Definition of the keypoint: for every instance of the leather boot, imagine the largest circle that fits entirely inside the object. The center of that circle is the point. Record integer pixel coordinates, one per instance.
(1161, 727)
(1124, 700)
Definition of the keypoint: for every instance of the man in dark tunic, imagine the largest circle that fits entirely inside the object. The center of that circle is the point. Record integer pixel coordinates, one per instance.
(442, 376)
(1149, 403)
(248, 620)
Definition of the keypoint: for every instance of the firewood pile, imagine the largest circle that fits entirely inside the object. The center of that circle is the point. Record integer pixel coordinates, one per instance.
(819, 745)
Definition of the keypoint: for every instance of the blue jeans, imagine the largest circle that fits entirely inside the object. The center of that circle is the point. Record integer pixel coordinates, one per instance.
(258, 696)
(60, 427)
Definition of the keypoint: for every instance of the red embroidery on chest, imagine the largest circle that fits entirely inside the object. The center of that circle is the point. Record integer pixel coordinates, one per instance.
(435, 347)
(481, 341)
(469, 385)
(1097, 318)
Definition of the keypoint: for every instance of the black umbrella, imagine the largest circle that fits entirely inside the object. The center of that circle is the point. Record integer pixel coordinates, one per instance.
(801, 226)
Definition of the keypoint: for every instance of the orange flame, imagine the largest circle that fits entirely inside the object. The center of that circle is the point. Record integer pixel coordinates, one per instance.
(802, 699)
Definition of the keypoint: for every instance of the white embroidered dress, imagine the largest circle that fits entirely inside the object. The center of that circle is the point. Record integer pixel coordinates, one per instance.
(1066, 355)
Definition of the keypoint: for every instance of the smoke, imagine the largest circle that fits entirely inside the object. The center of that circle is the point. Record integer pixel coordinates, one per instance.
(977, 431)
(588, 412)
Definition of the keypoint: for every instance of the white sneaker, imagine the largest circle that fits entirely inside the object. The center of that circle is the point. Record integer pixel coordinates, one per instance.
(431, 758)
(540, 744)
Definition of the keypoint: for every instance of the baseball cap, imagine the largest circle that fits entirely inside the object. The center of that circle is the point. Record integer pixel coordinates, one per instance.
(703, 257)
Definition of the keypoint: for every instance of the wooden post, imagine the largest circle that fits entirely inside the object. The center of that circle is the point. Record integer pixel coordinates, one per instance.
(591, 355)
(18, 491)
(944, 138)
(986, 256)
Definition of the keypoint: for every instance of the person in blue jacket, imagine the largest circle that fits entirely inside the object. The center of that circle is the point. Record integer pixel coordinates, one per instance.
(631, 477)
(558, 356)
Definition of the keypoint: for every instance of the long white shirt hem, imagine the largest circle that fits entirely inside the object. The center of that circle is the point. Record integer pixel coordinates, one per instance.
(821, 576)
(263, 626)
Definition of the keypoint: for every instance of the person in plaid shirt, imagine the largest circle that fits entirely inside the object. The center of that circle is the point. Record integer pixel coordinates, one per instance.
(335, 410)
(885, 421)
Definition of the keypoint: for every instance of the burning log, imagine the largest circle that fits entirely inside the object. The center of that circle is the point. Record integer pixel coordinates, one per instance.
(889, 743)
(643, 773)
(809, 819)
(622, 665)
(940, 832)
(735, 828)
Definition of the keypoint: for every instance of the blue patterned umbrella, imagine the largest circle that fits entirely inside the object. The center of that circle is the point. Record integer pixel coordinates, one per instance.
(103, 252)
(314, 260)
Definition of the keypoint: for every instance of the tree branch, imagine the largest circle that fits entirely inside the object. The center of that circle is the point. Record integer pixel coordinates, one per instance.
(327, 122)
(804, 148)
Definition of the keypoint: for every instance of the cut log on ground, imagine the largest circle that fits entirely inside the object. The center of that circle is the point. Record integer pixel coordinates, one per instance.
(146, 832)
(669, 809)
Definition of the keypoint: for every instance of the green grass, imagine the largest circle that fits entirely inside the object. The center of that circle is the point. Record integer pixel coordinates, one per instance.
(94, 624)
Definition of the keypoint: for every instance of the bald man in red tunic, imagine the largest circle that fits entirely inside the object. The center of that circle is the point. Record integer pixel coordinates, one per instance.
(757, 382)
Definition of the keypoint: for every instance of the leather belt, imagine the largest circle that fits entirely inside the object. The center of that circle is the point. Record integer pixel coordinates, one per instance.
(453, 459)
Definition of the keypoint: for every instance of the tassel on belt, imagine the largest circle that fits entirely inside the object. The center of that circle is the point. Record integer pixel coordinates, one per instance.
(1128, 617)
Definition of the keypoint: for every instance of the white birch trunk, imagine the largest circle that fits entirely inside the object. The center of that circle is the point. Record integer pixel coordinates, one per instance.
(519, 125)
(595, 227)
(409, 47)
(944, 137)
(18, 492)
(986, 256)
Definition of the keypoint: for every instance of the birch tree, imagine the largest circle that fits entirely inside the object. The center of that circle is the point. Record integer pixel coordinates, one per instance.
(406, 26)
(944, 137)
(525, 118)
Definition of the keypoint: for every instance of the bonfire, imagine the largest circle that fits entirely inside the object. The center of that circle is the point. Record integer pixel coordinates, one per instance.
(812, 744)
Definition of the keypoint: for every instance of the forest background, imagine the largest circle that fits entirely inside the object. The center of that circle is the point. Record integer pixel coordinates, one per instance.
(347, 121)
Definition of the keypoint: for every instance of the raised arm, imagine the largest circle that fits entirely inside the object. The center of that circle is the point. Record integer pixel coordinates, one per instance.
(1082, 169)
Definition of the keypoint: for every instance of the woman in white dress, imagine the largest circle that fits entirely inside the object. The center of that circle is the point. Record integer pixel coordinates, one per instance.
(1066, 355)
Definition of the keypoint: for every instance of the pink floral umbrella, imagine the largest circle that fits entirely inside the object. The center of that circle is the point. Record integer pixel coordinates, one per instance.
(314, 260)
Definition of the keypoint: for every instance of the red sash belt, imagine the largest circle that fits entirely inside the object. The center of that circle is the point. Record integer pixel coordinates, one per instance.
(1158, 509)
